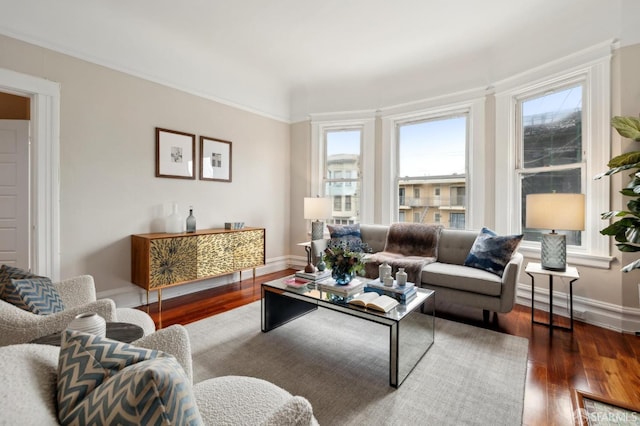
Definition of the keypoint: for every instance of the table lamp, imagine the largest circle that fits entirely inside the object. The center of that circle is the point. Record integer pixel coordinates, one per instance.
(555, 211)
(317, 209)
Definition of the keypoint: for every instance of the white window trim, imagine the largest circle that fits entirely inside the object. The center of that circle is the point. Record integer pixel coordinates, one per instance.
(363, 121)
(472, 104)
(593, 67)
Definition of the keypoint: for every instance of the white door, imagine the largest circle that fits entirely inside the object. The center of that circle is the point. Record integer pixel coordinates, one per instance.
(14, 193)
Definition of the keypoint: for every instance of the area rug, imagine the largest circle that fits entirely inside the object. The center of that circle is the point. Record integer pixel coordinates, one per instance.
(470, 376)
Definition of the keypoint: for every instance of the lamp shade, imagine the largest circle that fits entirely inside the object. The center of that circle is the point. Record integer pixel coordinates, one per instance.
(316, 208)
(555, 211)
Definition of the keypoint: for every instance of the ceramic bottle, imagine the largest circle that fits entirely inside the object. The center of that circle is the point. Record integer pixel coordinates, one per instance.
(384, 271)
(401, 277)
(191, 221)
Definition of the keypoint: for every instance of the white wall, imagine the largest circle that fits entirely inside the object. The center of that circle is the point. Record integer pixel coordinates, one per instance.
(107, 161)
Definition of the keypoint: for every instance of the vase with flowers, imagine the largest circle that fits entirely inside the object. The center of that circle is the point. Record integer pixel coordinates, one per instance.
(345, 260)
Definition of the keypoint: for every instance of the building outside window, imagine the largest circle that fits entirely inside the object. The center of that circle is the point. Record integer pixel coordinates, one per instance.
(342, 171)
(550, 154)
(456, 221)
(432, 154)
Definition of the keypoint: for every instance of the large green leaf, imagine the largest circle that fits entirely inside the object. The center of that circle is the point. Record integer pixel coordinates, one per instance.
(628, 127)
(624, 159)
(628, 248)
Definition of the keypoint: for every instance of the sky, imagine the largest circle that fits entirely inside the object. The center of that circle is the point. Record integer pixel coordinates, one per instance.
(438, 147)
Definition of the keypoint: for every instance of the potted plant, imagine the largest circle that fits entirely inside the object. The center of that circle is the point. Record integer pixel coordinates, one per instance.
(626, 230)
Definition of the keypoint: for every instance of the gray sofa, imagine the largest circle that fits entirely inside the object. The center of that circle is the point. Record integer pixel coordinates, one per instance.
(446, 274)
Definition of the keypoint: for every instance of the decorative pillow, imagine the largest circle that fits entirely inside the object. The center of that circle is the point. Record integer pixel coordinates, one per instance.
(102, 381)
(348, 235)
(492, 252)
(7, 273)
(37, 295)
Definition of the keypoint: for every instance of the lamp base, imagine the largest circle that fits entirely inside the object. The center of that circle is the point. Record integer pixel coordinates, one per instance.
(317, 230)
(553, 256)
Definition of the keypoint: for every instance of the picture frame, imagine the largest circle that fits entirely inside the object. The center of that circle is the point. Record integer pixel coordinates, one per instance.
(175, 154)
(215, 159)
(593, 410)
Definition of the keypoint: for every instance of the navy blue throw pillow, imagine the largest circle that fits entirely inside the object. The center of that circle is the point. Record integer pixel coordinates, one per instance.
(491, 252)
(347, 235)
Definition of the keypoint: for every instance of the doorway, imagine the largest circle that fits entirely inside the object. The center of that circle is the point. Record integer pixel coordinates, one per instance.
(43, 189)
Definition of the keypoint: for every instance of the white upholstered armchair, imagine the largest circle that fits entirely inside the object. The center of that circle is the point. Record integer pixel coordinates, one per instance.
(78, 295)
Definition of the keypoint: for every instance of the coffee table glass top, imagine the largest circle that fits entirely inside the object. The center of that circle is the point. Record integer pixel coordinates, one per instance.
(314, 293)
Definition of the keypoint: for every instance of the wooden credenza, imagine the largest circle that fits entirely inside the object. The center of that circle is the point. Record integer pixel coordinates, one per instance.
(162, 260)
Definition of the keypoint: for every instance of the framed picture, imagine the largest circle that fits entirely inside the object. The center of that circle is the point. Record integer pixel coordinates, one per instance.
(593, 410)
(215, 159)
(175, 154)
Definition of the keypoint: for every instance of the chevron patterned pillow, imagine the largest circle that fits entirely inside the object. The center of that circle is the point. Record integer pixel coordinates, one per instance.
(37, 295)
(7, 273)
(101, 381)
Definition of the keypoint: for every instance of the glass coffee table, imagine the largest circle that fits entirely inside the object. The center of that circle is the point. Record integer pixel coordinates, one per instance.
(411, 325)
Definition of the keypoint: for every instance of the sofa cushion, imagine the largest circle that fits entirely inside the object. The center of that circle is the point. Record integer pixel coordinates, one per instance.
(101, 381)
(463, 278)
(348, 235)
(454, 245)
(36, 295)
(491, 252)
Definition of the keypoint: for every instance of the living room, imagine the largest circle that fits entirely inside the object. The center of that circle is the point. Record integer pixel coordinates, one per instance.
(108, 109)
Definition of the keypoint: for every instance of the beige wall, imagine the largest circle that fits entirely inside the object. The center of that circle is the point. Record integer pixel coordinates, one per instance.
(107, 162)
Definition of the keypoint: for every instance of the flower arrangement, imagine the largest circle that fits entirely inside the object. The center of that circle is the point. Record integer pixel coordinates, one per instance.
(345, 259)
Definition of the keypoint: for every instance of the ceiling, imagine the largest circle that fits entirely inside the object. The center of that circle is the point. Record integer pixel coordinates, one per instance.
(288, 58)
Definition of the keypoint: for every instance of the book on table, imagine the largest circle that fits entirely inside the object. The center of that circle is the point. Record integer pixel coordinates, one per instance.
(296, 282)
(372, 300)
(329, 285)
(400, 297)
(314, 276)
(395, 288)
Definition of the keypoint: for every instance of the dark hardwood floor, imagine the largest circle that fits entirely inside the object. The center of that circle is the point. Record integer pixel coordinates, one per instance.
(591, 359)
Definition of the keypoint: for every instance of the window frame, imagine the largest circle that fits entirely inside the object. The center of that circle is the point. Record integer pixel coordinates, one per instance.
(471, 104)
(365, 123)
(592, 70)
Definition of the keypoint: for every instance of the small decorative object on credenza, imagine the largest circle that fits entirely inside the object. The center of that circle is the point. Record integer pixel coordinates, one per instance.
(89, 322)
(555, 211)
(173, 223)
(191, 221)
(233, 225)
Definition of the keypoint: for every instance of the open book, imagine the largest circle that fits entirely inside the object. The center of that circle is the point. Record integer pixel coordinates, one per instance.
(375, 301)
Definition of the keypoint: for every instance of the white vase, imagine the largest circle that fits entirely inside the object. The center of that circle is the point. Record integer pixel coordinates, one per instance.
(89, 322)
(401, 277)
(384, 271)
(173, 222)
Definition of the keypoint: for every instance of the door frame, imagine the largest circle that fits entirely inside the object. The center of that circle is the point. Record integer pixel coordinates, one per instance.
(44, 163)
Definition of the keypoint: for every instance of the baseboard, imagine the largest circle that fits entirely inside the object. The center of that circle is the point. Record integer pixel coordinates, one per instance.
(132, 296)
(594, 312)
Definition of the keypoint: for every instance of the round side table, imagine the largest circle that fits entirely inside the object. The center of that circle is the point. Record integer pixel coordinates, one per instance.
(121, 331)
